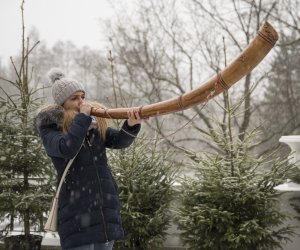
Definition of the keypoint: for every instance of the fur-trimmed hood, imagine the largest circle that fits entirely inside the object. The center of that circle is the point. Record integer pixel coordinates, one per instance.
(49, 114)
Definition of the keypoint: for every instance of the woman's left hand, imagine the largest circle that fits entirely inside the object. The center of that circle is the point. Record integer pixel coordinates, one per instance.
(133, 117)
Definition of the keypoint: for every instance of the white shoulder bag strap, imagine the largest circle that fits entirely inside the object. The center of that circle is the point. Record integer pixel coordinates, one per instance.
(51, 224)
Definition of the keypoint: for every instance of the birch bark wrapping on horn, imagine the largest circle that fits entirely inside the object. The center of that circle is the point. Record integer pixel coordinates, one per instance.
(249, 58)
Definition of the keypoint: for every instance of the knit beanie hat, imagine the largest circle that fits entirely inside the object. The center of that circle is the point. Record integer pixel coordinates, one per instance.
(62, 87)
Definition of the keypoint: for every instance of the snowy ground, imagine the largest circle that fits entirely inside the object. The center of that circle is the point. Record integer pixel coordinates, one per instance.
(49, 239)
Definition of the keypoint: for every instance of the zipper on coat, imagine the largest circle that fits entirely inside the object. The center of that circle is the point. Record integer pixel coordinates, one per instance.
(99, 182)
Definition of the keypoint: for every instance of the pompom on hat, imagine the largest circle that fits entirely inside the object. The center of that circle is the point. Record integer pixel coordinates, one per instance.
(62, 87)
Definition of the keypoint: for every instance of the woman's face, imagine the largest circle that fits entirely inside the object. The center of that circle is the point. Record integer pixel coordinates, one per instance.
(74, 101)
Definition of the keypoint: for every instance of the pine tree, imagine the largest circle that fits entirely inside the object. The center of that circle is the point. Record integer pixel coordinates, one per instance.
(281, 95)
(26, 176)
(144, 177)
(231, 202)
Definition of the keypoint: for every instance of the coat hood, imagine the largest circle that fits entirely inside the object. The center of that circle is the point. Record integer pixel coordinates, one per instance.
(47, 115)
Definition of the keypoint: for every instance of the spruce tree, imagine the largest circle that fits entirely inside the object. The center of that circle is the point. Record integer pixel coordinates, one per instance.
(144, 176)
(26, 175)
(231, 201)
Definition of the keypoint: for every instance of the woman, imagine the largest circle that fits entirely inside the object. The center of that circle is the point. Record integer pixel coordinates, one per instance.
(89, 208)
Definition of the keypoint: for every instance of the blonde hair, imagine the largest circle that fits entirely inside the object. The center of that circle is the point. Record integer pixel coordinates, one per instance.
(101, 122)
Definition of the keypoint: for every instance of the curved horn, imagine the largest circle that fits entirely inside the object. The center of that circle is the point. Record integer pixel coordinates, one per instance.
(252, 55)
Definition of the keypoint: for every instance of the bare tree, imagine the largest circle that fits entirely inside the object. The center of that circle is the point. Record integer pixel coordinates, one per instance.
(169, 47)
(93, 69)
(165, 53)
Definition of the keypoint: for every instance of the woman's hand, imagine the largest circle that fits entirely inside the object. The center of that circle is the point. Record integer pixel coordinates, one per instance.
(85, 108)
(133, 117)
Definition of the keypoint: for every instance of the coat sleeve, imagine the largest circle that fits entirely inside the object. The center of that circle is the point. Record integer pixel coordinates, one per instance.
(122, 138)
(58, 144)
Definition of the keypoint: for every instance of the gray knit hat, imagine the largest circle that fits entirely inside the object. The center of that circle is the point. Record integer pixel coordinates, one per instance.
(62, 87)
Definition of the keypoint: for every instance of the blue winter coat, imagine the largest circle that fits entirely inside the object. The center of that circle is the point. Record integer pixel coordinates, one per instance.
(89, 207)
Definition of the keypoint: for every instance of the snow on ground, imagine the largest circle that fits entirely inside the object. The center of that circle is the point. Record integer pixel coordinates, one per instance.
(49, 238)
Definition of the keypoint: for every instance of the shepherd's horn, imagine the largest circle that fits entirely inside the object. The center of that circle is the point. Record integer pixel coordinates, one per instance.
(252, 55)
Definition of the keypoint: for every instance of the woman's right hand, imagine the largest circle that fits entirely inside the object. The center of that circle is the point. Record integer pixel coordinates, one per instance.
(85, 108)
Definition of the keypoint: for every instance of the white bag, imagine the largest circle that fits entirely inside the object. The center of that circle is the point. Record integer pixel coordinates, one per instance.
(52, 221)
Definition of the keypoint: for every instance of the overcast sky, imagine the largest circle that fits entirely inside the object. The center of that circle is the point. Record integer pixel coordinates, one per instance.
(74, 20)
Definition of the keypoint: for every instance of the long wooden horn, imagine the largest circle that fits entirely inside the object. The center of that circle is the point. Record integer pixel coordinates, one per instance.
(252, 55)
